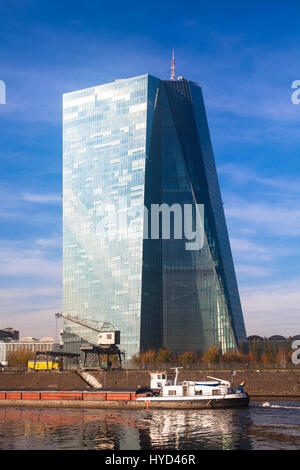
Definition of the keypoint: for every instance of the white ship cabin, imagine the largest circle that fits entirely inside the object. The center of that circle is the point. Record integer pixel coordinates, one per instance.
(170, 388)
(159, 380)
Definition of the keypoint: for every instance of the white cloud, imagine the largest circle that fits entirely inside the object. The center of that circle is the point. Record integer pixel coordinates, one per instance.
(11, 293)
(21, 262)
(243, 247)
(35, 321)
(274, 219)
(55, 241)
(272, 308)
(42, 198)
(272, 205)
(250, 270)
(242, 175)
(31, 310)
(28, 209)
(255, 100)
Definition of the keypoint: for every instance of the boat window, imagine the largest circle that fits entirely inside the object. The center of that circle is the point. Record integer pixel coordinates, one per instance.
(198, 392)
(163, 376)
(172, 392)
(216, 392)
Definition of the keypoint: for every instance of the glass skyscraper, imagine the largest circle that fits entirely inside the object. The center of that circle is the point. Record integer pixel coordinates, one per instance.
(129, 146)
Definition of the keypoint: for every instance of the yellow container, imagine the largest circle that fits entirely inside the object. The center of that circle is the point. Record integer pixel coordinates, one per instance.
(42, 365)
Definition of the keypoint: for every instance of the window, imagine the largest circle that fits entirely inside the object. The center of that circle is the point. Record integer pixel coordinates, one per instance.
(216, 392)
(198, 392)
(172, 392)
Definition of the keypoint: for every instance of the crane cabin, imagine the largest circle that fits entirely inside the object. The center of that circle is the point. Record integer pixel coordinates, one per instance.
(108, 338)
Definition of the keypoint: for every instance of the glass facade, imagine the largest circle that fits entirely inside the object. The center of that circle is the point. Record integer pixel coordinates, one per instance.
(129, 144)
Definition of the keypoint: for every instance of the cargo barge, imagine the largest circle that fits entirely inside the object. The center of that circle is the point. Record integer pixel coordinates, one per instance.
(70, 398)
(163, 394)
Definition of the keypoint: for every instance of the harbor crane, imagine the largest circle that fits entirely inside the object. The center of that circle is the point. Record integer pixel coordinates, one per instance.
(108, 338)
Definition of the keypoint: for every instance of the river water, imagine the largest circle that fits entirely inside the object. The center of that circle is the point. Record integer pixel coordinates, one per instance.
(269, 425)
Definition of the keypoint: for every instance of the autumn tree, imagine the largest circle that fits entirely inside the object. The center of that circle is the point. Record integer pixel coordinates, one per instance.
(254, 350)
(281, 357)
(251, 357)
(163, 356)
(188, 357)
(212, 354)
(19, 358)
(233, 356)
(267, 358)
(137, 359)
(148, 357)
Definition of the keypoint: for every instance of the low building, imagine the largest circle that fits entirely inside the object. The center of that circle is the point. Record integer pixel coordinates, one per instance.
(2, 353)
(9, 334)
(27, 344)
(259, 343)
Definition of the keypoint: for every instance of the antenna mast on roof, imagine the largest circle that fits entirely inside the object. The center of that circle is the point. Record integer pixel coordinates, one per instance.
(173, 66)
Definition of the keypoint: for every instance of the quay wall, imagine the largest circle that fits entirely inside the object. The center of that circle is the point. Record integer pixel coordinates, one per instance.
(36, 380)
(285, 383)
(268, 383)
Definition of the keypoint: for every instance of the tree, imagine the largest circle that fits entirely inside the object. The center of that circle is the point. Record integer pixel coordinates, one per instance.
(163, 356)
(275, 349)
(281, 357)
(267, 358)
(188, 357)
(19, 358)
(233, 356)
(242, 347)
(212, 354)
(251, 357)
(137, 359)
(148, 357)
(256, 350)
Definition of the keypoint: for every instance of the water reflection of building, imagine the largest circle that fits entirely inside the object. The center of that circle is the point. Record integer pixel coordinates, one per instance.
(61, 429)
(57, 429)
(129, 439)
(189, 430)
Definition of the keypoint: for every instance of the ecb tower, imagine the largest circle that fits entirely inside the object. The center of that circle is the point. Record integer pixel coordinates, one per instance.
(129, 146)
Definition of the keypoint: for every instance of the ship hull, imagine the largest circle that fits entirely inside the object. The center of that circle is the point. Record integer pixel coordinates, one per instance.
(198, 404)
(146, 403)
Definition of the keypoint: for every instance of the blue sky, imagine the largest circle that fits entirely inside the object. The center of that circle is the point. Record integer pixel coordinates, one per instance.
(245, 56)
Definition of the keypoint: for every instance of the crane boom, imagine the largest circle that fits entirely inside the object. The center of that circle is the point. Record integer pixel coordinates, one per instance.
(90, 324)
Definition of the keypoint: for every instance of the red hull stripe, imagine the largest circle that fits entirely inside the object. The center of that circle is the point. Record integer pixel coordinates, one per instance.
(37, 395)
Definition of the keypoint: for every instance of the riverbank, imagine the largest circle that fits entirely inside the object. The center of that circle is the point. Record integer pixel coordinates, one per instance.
(260, 383)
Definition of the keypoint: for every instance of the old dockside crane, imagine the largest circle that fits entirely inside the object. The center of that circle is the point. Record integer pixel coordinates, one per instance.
(108, 338)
